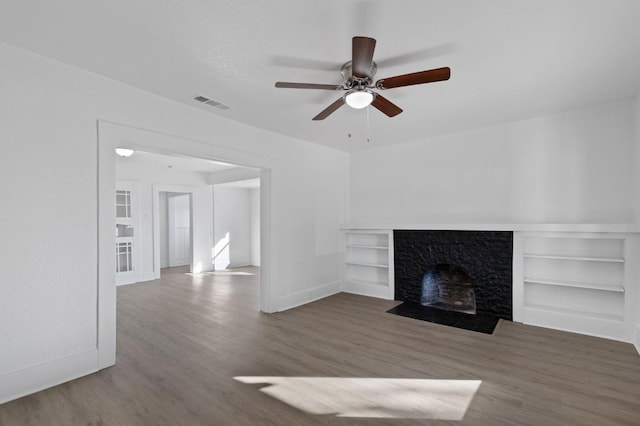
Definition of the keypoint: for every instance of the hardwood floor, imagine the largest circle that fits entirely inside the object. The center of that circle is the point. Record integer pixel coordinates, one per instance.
(194, 349)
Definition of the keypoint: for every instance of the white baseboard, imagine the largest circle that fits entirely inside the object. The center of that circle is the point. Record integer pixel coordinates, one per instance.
(238, 265)
(147, 276)
(16, 384)
(367, 289)
(607, 329)
(306, 296)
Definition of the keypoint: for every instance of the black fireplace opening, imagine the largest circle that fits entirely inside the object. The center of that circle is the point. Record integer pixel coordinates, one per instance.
(457, 278)
(448, 287)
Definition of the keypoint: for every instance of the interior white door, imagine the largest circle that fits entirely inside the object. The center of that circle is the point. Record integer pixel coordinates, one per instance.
(179, 220)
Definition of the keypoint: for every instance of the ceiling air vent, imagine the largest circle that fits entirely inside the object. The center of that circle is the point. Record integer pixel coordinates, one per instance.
(211, 102)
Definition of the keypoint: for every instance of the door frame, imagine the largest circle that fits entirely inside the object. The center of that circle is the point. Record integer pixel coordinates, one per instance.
(171, 231)
(111, 135)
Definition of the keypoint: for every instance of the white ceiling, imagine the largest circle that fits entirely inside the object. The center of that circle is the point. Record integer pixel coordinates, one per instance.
(243, 184)
(143, 160)
(509, 59)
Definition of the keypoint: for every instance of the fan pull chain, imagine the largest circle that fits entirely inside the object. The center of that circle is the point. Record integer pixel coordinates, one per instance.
(368, 130)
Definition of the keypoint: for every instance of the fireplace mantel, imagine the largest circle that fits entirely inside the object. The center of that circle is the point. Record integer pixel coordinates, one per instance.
(516, 227)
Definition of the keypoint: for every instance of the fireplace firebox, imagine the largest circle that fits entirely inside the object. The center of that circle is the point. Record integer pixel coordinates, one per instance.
(448, 287)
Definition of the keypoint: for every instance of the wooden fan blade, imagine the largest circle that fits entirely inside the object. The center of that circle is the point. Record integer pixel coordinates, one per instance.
(386, 106)
(329, 110)
(362, 56)
(285, 85)
(420, 77)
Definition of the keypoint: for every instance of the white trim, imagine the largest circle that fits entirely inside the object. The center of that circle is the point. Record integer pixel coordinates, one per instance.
(310, 295)
(381, 291)
(106, 327)
(17, 384)
(631, 282)
(267, 244)
(147, 276)
(522, 227)
(606, 328)
(391, 252)
(517, 287)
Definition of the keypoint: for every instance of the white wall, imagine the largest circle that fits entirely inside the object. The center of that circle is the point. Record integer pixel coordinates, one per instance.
(129, 169)
(636, 198)
(233, 175)
(636, 157)
(572, 167)
(232, 226)
(236, 226)
(255, 226)
(48, 251)
(164, 229)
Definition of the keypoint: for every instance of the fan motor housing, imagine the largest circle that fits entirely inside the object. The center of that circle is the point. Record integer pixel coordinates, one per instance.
(354, 82)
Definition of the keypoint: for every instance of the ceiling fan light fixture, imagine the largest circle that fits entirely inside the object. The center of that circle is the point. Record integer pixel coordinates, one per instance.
(124, 152)
(359, 99)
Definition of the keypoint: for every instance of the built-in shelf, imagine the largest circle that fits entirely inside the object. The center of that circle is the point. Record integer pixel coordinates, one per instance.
(365, 282)
(593, 315)
(368, 263)
(576, 281)
(362, 246)
(591, 286)
(374, 265)
(575, 258)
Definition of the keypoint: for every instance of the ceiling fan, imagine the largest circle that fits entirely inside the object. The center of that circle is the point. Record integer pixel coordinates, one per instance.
(358, 76)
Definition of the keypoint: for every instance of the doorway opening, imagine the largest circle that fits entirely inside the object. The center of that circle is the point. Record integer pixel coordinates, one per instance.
(114, 135)
(175, 215)
(236, 215)
(195, 214)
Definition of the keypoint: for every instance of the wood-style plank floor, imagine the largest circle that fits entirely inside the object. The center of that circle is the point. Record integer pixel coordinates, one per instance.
(195, 350)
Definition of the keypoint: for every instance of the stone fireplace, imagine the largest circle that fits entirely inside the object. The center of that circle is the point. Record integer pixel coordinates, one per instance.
(461, 271)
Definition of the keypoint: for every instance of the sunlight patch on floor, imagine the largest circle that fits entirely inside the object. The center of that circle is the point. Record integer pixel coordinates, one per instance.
(372, 397)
